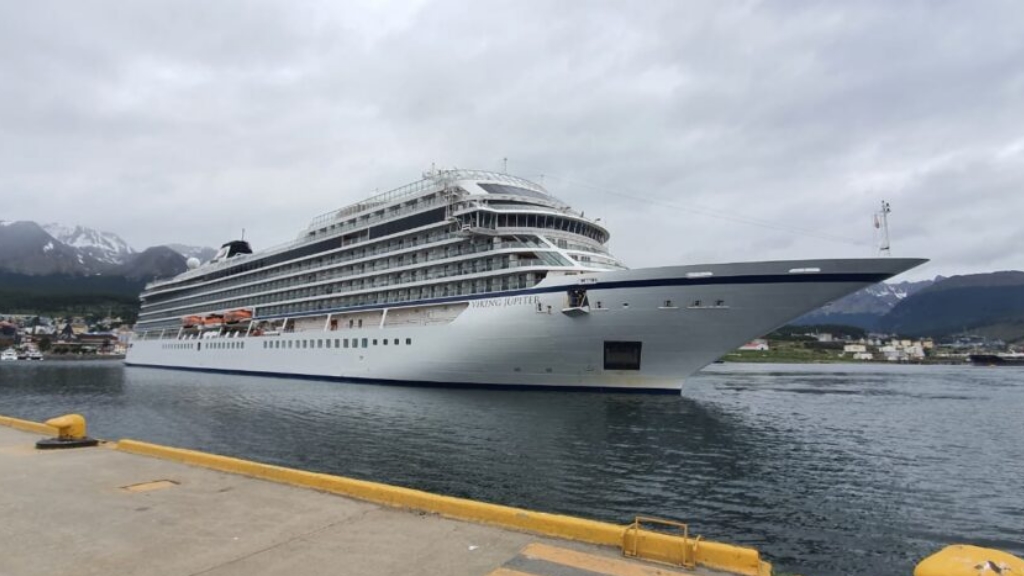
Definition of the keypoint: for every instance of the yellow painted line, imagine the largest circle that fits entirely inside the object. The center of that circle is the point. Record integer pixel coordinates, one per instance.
(507, 572)
(592, 562)
(28, 426)
(653, 546)
(556, 525)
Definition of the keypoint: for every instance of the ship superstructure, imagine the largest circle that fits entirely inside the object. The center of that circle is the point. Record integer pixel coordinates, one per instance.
(477, 278)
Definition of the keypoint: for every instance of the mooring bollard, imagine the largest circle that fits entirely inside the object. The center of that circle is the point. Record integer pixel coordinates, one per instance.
(70, 433)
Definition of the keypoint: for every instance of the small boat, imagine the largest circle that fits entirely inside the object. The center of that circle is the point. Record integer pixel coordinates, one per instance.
(213, 321)
(236, 316)
(191, 321)
(8, 354)
(1011, 359)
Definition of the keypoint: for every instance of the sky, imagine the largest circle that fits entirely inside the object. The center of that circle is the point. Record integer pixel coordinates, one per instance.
(697, 131)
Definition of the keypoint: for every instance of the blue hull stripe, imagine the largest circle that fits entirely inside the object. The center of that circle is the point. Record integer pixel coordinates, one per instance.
(415, 383)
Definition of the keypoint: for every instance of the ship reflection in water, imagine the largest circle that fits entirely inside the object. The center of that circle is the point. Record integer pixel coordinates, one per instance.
(826, 469)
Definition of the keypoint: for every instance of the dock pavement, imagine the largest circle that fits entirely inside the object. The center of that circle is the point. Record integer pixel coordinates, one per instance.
(103, 511)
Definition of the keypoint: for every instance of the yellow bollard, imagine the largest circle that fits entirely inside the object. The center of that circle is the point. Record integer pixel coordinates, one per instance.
(967, 560)
(69, 426)
(70, 433)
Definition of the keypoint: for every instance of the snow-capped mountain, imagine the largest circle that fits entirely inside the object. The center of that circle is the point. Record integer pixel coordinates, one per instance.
(865, 307)
(105, 247)
(26, 248)
(30, 249)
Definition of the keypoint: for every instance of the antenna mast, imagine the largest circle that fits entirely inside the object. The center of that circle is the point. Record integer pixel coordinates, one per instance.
(882, 222)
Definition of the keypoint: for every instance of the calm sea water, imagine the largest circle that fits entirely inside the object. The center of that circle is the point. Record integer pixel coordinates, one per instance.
(827, 470)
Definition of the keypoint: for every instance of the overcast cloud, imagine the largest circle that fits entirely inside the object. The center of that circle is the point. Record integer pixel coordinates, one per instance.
(698, 131)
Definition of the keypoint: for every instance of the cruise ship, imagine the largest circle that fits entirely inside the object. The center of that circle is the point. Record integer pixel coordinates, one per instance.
(472, 278)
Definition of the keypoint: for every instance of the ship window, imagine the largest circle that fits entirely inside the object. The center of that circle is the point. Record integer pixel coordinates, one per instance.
(328, 342)
(364, 342)
(319, 343)
(374, 341)
(337, 343)
(345, 342)
(385, 341)
(396, 341)
(408, 341)
(513, 190)
(622, 355)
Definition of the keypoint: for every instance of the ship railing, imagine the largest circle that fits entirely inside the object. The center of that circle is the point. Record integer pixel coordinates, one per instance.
(378, 200)
(432, 179)
(438, 275)
(323, 276)
(468, 251)
(284, 246)
(324, 220)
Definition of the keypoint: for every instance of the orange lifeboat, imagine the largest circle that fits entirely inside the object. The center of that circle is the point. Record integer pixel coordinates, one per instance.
(213, 320)
(191, 321)
(237, 316)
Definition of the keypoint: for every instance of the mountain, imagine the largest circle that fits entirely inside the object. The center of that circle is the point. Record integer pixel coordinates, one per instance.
(105, 247)
(152, 263)
(33, 249)
(56, 268)
(866, 307)
(26, 248)
(987, 304)
(203, 253)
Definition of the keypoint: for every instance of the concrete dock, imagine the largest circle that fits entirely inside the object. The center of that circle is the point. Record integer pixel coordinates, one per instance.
(105, 511)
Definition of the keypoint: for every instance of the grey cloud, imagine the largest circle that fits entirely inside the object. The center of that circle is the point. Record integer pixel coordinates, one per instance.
(151, 119)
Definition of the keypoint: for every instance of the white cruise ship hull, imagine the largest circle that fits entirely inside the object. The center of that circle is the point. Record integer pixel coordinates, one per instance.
(672, 321)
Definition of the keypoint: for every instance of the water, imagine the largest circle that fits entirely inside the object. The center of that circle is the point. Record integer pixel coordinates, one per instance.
(827, 470)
